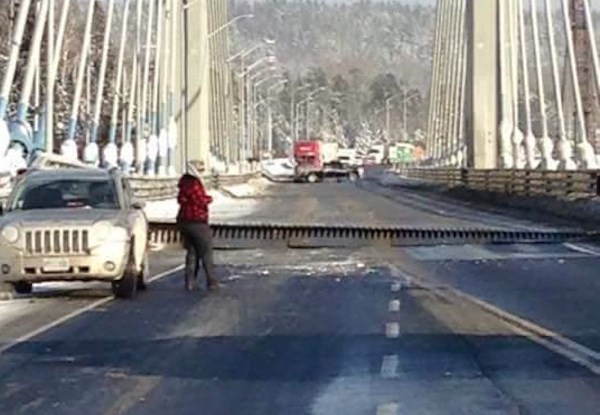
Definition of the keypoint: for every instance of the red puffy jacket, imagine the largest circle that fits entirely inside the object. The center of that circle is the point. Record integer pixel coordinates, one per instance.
(193, 200)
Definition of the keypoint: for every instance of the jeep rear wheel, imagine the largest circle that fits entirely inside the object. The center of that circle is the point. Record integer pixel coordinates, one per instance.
(126, 287)
(23, 287)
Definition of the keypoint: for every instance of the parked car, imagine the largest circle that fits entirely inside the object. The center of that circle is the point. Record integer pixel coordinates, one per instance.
(73, 224)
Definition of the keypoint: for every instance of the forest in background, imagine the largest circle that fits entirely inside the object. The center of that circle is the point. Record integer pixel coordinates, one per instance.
(362, 53)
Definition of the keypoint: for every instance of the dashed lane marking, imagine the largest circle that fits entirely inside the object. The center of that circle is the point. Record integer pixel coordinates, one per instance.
(76, 313)
(394, 306)
(395, 287)
(392, 330)
(389, 367)
(387, 409)
(555, 342)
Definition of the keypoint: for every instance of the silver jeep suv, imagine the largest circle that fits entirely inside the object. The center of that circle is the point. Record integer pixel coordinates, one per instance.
(73, 224)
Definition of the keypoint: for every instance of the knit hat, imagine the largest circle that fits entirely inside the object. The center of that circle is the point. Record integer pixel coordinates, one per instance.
(195, 168)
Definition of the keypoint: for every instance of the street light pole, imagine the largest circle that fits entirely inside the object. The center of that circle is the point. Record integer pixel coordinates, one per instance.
(229, 23)
(306, 119)
(295, 113)
(405, 112)
(255, 138)
(404, 129)
(242, 112)
(270, 116)
(309, 99)
(387, 119)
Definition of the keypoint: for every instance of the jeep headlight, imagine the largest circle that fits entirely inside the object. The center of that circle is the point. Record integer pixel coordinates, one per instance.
(104, 233)
(100, 231)
(10, 234)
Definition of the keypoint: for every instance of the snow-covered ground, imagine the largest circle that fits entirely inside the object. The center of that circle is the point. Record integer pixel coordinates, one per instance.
(222, 209)
(250, 189)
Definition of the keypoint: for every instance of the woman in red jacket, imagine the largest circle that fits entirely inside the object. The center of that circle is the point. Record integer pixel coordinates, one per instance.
(192, 221)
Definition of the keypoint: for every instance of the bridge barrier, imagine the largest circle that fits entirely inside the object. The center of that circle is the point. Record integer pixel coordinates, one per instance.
(580, 184)
(163, 188)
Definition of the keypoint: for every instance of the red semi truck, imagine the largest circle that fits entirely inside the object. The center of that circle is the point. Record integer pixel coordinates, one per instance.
(316, 160)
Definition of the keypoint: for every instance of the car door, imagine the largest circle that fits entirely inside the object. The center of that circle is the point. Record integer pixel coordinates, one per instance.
(138, 222)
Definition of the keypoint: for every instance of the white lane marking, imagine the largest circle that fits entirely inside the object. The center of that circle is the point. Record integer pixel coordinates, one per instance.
(387, 409)
(76, 313)
(389, 367)
(395, 286)
(582, 249)
(394, 306)
(555, 342)
(166, 273)
(392, 330)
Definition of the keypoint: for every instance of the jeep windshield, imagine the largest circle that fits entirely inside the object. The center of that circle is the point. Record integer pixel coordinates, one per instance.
(65, 193)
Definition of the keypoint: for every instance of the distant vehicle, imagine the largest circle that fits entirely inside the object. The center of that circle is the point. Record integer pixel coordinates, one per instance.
(376, 154)
(316, 161)
(278, 169)
(402, 153)
(73, 224)
(349, 157)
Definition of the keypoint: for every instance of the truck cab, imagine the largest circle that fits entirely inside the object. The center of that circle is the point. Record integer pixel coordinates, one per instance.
(315, 161)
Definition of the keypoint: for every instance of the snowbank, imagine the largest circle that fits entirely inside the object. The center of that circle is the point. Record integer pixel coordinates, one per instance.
(251, 189)
(222, 209)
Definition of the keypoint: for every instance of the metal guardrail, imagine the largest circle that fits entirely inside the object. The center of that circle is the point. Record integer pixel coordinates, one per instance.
(164, 235)
(161, 188)
(576, 184)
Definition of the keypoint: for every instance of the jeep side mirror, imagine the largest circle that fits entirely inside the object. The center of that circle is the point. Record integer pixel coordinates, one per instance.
(138, 205)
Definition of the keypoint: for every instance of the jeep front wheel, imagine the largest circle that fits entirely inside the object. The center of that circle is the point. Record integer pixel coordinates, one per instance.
(143, 275)
(126, 287)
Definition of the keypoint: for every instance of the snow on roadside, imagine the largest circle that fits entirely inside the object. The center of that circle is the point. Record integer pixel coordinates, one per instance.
(250, 189)
(223, 208)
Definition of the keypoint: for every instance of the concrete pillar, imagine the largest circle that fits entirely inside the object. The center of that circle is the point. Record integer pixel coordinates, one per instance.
(194, 84)
(482, 89)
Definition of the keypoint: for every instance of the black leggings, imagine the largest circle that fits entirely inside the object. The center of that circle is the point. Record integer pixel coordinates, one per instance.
(197, 238)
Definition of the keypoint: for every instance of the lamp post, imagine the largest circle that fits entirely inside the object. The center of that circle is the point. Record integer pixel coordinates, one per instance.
(270, 114)
(245, 98)
(307, 100)
(405, 101)
(220, 115)
(255, 86)
(293, 112)
(229, 23)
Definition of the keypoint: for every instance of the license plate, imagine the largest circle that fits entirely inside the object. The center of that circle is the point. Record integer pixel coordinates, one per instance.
(56, 264)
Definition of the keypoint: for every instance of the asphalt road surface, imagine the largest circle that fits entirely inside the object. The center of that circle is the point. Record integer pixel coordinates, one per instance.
(405, 331)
